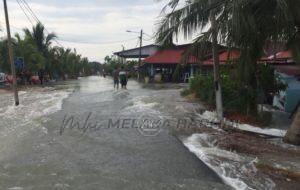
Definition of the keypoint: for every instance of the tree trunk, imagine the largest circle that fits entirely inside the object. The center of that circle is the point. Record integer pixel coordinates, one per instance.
(293, 134)
(215, 51)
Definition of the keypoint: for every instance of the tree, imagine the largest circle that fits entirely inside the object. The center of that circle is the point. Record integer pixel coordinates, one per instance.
(38, 53)
(293, 134)
(189, 19)
(39, 37)
(33, 59)
(110, 63)
(4, 64)
(215, 53)
(42, 41)
(69, 62)
(243, 24)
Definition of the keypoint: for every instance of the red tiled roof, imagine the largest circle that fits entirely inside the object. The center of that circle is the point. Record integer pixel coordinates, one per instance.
(174, 56)
(282, 55)
(169, 56)
(282, 58)
(224, 57)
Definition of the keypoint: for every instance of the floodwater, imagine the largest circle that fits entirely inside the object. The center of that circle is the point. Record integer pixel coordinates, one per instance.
(85, 135)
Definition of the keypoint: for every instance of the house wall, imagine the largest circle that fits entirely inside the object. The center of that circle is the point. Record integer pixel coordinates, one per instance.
(167, 70)
(291, 96)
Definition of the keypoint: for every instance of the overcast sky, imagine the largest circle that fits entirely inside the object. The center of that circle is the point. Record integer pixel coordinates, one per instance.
(96, 28)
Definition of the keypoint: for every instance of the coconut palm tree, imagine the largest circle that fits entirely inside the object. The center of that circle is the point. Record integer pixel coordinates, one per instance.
(70, 62)
(38, 35)
(4, 64)
(42, 41)
(243, 24)
(189, 19)
(293, 134)
(34, 60)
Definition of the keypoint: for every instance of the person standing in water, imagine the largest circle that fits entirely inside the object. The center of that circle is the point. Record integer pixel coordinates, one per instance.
(116, 78)
(41, 76)
(123, 77)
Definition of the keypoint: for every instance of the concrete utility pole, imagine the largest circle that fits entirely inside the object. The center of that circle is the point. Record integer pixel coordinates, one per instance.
(140, 53)
(11, 55)
(215, 51)
(123, 59)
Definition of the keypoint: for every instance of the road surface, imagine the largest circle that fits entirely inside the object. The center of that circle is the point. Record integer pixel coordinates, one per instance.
(41, 150)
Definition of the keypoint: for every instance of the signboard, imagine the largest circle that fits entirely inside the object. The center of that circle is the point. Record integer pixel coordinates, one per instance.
(19, 63)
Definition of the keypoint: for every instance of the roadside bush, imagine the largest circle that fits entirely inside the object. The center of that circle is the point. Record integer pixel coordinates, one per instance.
(236, 97)
(203, 88)
(186, 92)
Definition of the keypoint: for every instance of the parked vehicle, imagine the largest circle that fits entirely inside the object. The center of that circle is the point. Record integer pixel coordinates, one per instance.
(2, 78)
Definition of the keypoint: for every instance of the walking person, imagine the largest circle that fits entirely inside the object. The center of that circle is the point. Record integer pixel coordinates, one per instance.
(123, 78)
(41, 76)
(103, 73)
(116, 78)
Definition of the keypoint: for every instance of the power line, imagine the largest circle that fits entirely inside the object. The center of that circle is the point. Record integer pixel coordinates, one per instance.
(27, 6)
(98, 43)
(34, 16)
(82, 42)
(25, 13)
(150, 39)
(138, 41)
(30, 11)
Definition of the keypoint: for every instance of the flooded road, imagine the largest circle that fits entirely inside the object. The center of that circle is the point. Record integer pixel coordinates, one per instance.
(86, 135)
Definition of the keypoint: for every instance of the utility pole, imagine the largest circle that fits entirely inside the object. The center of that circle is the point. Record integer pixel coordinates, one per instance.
(11, 55)
(140, 53)
(215, 51)
(123, 59)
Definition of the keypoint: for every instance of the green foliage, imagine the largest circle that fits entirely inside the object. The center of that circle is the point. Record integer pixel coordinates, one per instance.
(38, 53)
(244, 24)
(203, 86)
(112, 62)
(4, 63)
(28, 51)
(268, 82)
(185, 92)
(237, 98)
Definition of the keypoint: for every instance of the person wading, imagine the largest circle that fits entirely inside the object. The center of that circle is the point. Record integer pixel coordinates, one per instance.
(41, 76)
(116, 78)
(123, 78)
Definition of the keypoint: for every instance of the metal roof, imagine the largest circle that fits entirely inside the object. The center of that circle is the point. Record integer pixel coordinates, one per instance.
(135, 52)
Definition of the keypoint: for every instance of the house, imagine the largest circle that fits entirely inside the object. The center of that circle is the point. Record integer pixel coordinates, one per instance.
(289, 73)
(165, 61)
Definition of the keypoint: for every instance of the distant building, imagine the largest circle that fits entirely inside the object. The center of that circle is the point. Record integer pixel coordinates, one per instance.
(135, 52)
(165, 61)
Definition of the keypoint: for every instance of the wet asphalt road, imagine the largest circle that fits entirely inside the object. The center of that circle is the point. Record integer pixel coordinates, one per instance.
(105, 158)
